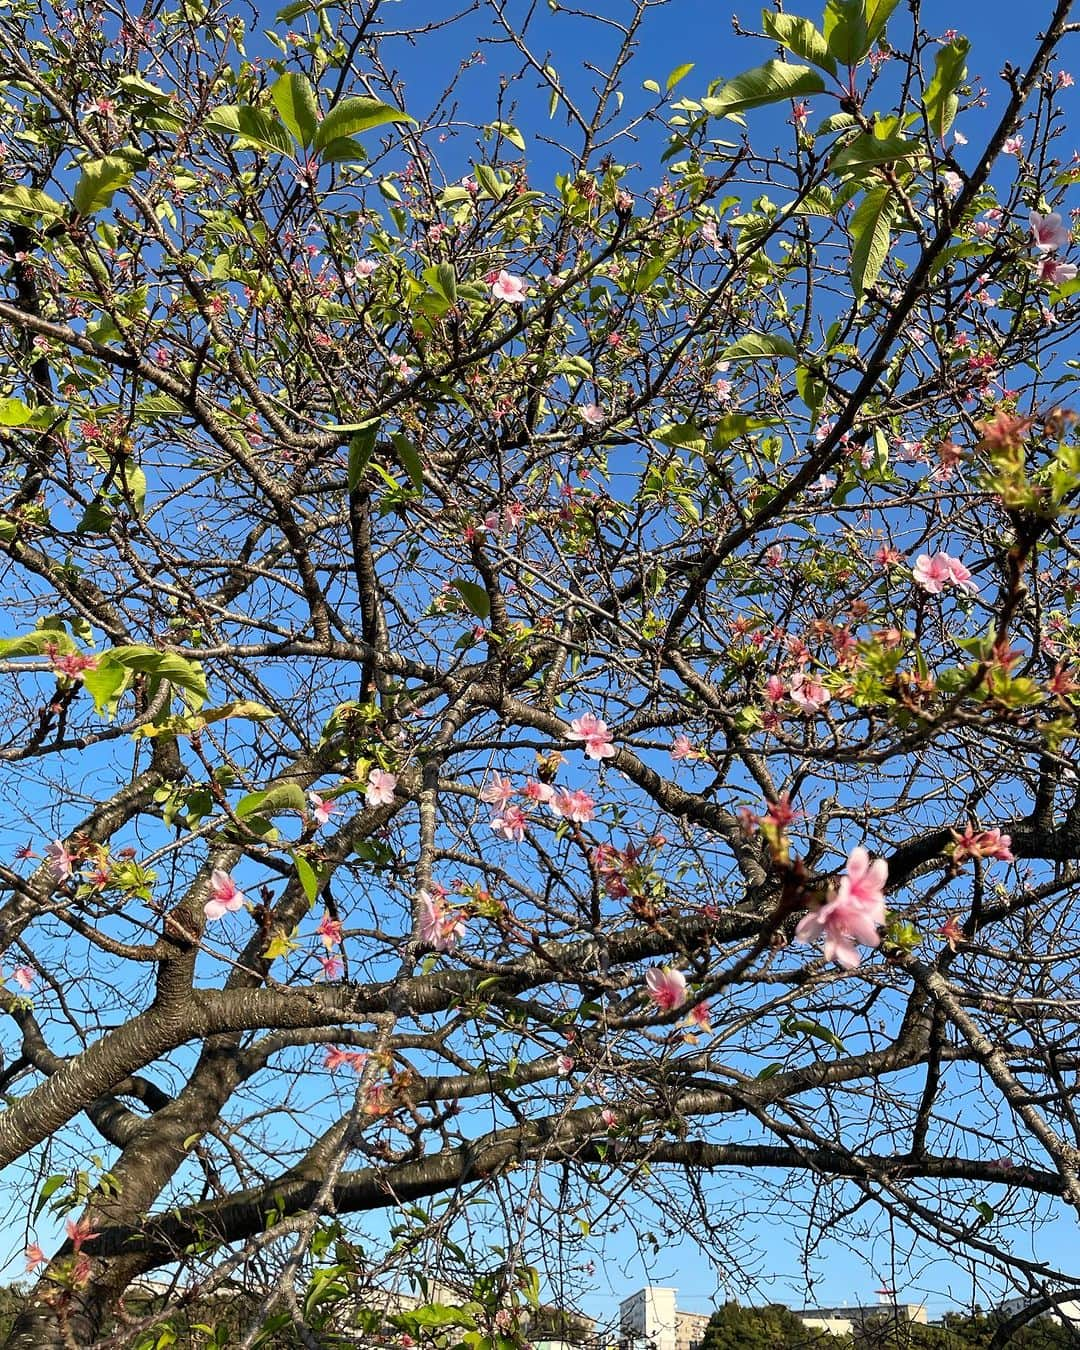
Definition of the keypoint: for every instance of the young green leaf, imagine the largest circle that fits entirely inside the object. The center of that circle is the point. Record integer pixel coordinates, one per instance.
(753, 345)
(871, 227)
(297, 106)
(770, 83)
(475, 597)
(98, 182)
(253, 128)
(940, 100)
(354, 115)
(800, 37)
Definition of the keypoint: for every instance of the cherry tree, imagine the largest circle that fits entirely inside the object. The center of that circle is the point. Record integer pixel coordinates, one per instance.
(539, 679)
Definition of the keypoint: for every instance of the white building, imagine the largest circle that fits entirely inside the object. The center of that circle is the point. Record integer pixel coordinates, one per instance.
(1067, 1313)
(651, 1320)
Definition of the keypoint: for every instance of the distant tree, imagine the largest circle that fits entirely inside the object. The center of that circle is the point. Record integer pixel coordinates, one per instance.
(734, 1327)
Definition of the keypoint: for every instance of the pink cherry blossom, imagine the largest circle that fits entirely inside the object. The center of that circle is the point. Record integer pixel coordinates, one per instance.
(682, 747)
(440, 928)
(23, 976)
(497, 791)
(535, 791)
(592, 414)
(224, 895)
(775, 689)
(508, 287)
(34, 1257)
(699, 1017)
(608, 1116)
(1053, 273)
(365, 266)
(510, 824)
(982, 844)
(666, 987)
(934, 573)
(808, 693)
(577, 806)
(594, 732)
(564, 1064)
(329, 930)
(380, 788)
(855, 912)
(335, 1058)
(1047, 232)
(321, 809)
(332, 966)
(60, 860)
(1013, 145)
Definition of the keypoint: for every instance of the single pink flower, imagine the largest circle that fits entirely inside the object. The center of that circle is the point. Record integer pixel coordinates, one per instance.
(79, 1232)
(1053, 273)
(535, 791)
(564, 1064)
(1013, 145)
(808, 693)
(592, 414)
(332, 966)
(683, 748)
(594, 732)
(854, 914)
(224, 895)
(497, 791)
(608, 1116)
(508, 287)
(329, 930)
(666, 987)
(1047, 232)
(335, 1058)
(60, 860)
(380, 788)
(23, 976)
(775, 689)
(982, 844)
(34, 1257)
(321, 809)
(700, 1017)
(510, 824)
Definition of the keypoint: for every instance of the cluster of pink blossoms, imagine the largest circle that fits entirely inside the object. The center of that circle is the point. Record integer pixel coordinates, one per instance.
(1048, 235)
(982, 844)
(933, 572)
(440, 927)
(595, 734)
(509, 820)
(666, 987)
(810, 694)
(855, 912)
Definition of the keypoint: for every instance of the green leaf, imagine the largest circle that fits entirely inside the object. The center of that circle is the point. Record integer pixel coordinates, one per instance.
(770, 83)
(732, 425)
(792, 1026)
(752, 346)
(252, 127)
(812, 389)
(684, 435)
(14, 412)
(164, 666)
(871, 227)
(878, 13)
(354, 115)
(800, 37)
(297, 106)
(940, 100)
(99, 181)
(679, 73)
(105, 684)
(361, 448)
(309, 878)
(475, 597)
(272, 801)
(409, 458)
(846, 31)
(490, 182)
(344, 150)
(651, 86)
(34, 644)
(509, 133)
(23, 201)
(867, 149)
(245, 707)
